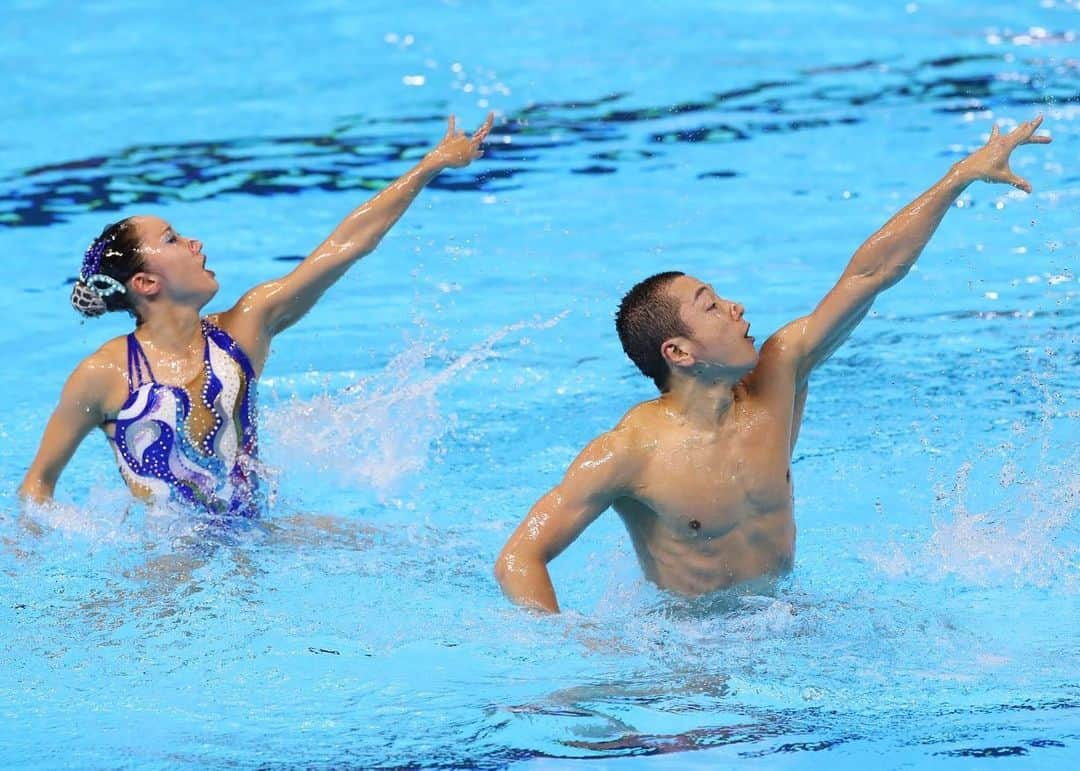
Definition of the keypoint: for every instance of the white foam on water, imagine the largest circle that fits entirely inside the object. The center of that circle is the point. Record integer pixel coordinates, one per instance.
(110, 516)
(1025, 531)
(1029, 538)
(379, 431)
(1026, 542)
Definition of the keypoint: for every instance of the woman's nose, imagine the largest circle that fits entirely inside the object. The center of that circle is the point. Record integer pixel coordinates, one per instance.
(196, 245)
(737, 311)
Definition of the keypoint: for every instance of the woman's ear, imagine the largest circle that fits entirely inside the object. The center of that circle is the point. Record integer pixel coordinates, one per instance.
(145, 284)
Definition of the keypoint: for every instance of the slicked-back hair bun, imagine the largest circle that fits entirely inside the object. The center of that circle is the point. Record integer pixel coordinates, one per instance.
(112, 258)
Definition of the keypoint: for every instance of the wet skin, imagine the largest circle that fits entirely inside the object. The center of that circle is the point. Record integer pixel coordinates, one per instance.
(705, 493)
(711, 505)
(701, 475)
(711, 509)
(174, 284)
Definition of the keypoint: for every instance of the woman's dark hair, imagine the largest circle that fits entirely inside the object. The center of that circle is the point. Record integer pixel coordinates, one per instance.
(112, 259)
(648, 316)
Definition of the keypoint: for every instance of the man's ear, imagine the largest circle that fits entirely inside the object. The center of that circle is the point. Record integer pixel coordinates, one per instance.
(145, 284)
(675, 353)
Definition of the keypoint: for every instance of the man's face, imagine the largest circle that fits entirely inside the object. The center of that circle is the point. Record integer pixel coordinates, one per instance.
(718, 337)
(177, 262)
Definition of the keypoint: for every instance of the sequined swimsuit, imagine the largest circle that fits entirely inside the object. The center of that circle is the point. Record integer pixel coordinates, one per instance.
(194, 444)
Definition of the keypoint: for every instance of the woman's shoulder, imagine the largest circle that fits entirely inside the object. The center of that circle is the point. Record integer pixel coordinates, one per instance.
(102, 375)
(110, 357)
(110, 349)
(244, 332)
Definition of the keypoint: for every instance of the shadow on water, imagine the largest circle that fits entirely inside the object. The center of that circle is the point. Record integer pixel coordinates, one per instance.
(746, 733)
(354, 154)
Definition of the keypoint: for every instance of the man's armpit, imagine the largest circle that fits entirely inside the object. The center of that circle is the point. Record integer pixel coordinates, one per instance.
(777, 367)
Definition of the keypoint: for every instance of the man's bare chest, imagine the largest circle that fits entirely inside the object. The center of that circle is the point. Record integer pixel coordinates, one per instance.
(709, 488)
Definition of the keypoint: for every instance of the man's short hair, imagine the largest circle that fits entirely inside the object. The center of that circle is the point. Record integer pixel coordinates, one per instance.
(648, 316)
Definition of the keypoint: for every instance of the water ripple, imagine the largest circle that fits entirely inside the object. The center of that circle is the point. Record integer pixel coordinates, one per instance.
(360, 152)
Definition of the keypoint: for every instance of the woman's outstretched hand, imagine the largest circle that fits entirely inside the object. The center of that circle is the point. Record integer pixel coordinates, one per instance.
(990, 162)
(456, 149)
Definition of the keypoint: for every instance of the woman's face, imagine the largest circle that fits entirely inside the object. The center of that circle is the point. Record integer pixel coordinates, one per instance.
(176, 265)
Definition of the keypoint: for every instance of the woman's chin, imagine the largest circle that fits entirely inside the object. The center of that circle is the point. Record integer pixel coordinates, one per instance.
(210, 295)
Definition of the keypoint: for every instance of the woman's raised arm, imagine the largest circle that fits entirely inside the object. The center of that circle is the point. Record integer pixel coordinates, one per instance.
(272, 307)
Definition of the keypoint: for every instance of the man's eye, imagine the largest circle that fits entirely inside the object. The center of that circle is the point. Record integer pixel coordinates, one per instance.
(712, 307)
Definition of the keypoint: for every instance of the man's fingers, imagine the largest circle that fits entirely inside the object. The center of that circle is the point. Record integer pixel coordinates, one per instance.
(1018, 182)
(1028, 127)
(994, 132)
(451, 127)
(482, 132)
(1032, 138)
(1024, 134)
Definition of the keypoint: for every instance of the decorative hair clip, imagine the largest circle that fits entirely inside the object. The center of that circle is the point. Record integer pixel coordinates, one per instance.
(89, 293)
(91, 264)
(87, 301)
(104, 285)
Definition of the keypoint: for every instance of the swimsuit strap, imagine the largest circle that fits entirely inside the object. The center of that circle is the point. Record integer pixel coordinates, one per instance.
(206, 327)
(225, 342)
(136, 361)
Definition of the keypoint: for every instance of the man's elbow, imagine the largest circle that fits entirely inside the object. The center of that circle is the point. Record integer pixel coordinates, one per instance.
(893, 275)
(524, 581)
(882, 276)
(500, 570)
(508, 565)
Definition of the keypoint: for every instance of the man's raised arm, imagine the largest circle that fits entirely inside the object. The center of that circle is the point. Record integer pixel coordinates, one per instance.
(887, 256)
(599, 475)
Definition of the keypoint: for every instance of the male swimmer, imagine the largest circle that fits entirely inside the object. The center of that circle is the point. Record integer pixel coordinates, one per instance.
(176, 397)
(701, 475)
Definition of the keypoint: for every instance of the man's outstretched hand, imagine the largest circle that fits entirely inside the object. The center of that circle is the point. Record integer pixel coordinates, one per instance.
(456, 148)
(990, 162)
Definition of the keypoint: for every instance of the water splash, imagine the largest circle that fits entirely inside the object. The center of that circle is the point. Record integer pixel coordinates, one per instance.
(380, 430)
(1024, 542)
(109, 517)
(1028, 539)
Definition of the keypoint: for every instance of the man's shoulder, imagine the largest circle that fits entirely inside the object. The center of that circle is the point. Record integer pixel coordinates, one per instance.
(642, 419)
(639, 433)
(627, 438)
(613, 459)
(774, 374)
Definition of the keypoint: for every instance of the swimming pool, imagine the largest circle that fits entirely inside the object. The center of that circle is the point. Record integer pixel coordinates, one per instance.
(414, 416)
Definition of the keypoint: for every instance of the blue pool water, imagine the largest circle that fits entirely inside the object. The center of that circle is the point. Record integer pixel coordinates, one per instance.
(410, 421)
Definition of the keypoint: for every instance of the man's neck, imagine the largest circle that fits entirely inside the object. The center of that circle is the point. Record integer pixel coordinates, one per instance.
(703, 404)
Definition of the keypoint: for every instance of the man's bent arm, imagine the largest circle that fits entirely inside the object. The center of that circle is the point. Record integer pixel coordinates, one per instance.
(594, 480)
(887, 256)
